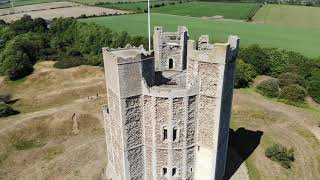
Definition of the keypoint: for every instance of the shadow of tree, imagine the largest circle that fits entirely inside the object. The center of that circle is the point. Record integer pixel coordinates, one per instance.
(242, 144)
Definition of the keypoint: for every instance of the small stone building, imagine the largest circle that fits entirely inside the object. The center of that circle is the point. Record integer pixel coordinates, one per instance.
(168, 111)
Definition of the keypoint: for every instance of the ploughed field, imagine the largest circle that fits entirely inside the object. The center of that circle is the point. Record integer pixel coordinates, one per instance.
(195, 9)
(289, 15)
(299, 39)
(91, 2)
(54, 10)
(6, 4)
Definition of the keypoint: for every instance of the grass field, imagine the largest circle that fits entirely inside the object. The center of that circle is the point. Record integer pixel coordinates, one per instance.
(289, 15)
(26, 2)
(296, 39)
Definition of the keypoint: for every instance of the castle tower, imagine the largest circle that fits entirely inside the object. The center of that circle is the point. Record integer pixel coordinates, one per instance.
(168, 111)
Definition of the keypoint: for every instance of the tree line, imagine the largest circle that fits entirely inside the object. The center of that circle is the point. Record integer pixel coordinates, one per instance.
(294, 73)
(64, 39)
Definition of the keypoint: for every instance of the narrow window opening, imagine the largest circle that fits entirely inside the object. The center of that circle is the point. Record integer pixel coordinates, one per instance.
(191, 170)
(165, 134)
(174, 171)
(170, 63)
(164, 171)
(175, 133)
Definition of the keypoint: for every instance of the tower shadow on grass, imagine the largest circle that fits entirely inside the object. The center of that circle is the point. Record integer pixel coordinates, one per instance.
(242, 144)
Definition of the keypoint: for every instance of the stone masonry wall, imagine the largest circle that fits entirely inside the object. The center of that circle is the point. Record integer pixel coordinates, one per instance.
(134, 136)
(133, 122)
(162, 120)
(190, 163)
(148, 110)
(178, 109)
(209, 76)
(116, 133)
(192, 70)
(191, 121)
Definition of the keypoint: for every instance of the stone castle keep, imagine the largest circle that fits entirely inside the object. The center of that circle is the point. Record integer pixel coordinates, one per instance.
(168, 110)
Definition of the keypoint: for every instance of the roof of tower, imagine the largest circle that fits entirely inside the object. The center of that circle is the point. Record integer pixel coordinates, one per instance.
(128, 51)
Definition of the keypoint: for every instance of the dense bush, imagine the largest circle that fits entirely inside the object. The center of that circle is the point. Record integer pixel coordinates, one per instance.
(28, 40)
(290, 67)
(314, 86)
(293, 94)
(280, 154)
(69, 62)
(258, 57)
(269, 88)
(6, 110)
(245, 74)
(288, 78)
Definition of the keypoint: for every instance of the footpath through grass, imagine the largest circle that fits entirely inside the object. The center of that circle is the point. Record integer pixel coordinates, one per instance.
(302, 16)
(299, 39)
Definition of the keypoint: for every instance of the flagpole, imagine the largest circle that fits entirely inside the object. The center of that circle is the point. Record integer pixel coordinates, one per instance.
(149, 33)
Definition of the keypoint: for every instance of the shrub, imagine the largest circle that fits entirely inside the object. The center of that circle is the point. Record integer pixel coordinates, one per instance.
(280, 154)
(314, 86)
(288, 78)
(245, 74)
(269, 88)
(6, 110)
(28, 144)
(5, 98)
(293, 94)
(69, 62)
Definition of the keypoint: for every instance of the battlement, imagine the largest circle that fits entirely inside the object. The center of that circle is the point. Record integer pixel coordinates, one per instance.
(220, 53)
(128, 54)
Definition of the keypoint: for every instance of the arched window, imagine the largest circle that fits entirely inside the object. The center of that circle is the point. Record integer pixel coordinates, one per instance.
(165, 133)
(170, 63)
(175, 134)
(164, 171)
(174, 171)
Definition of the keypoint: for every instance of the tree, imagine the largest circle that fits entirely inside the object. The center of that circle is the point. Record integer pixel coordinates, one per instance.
(20, 54)
(258, 57)
(245, 74)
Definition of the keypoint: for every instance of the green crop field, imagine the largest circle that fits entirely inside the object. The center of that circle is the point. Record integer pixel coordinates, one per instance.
(302, 16)
(196, 9)
(208, 9)
(134, 6)
(297, 39)
(25, 2)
